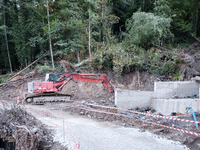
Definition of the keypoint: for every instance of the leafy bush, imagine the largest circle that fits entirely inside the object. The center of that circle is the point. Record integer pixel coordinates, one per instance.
(44, 69)
(177, 76)
(4, 78)
(122, 56)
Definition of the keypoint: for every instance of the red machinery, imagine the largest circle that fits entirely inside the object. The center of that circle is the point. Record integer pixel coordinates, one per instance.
(47, 90)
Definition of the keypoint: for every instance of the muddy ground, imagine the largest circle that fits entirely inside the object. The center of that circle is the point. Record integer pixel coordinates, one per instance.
(96, 94)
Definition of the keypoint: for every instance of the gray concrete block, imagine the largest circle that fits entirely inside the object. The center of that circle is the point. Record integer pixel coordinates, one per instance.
(129, 99)
(167, 106)
(180, 89)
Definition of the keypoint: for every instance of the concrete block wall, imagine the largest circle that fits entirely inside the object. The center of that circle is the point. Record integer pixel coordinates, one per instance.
(167, 106)
(182, 89)
(161, 99)
(131, 99)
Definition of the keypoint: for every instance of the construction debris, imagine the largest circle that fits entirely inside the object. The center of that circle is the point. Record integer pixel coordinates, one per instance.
(20, 130)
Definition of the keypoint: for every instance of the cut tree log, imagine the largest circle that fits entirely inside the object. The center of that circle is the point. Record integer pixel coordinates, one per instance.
(9, 80)
(26, 67)
(83, 62)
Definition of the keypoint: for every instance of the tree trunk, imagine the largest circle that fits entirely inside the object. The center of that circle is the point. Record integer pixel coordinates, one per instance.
(78, 56)
(196, 20)
(138, 77)
(102, 17)
(6, 40)
(89, 38)
(143, 5)
(50, 45)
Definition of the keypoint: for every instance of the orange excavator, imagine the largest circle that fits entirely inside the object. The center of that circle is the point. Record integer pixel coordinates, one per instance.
(48, 90)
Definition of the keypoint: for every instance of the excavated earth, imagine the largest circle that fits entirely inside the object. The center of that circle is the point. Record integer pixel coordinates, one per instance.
(18, 122)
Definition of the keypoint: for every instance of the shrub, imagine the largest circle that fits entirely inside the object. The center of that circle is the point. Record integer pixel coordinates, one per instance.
(44, 69)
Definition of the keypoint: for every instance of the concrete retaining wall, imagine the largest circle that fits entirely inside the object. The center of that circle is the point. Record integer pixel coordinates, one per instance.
(162, 97)
(180, 89)
(131, 99)
(167, 106)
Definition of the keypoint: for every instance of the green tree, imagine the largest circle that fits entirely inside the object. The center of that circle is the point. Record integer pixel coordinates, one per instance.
(107, 20)
(162, 8)
(68, 28)
(6, 36)
(195, 8)
(49, 28)
(26, 31)
(144, 29)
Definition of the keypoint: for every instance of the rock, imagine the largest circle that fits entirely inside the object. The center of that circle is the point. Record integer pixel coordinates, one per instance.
(184, 140)
(147, 108)
(103, 101)
(81, 113)
(34, 130)
(100, 117)
(190, 140)
(142, 109)
(158, 131)
(196, 78)
(189, 59)
(137, 109)
(120, 85)
(142, 130)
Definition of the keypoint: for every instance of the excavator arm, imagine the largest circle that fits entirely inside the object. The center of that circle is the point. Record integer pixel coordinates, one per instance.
(51, 86)
(98, 78)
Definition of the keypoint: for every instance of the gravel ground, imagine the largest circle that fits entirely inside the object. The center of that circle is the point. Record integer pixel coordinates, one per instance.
(92, 135)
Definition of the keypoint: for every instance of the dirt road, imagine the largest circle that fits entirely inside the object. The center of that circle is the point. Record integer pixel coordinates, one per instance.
(91, 135)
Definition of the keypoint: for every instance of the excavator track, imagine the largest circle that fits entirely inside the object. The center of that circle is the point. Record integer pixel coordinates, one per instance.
(41, 98)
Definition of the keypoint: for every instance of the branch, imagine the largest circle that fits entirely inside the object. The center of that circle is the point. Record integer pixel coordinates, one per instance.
(23, 127)
(160, 47)
(194, 37)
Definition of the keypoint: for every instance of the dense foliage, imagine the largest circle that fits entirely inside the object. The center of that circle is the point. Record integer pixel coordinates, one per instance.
(120, 35)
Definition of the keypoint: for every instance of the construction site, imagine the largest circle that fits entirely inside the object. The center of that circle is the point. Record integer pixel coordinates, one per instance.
(94, 112)
(99, 74)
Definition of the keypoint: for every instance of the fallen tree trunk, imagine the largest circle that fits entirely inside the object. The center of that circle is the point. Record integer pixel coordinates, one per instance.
(83, 62)
(26, 67)
(9, 80)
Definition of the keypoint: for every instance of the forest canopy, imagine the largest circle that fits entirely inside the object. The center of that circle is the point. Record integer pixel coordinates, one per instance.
(118, 35)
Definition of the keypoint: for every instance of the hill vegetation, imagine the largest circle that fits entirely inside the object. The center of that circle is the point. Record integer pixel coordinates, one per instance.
(117, 35)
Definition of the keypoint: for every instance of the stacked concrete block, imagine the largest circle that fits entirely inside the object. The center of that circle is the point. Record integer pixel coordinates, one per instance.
(167, 106)
(179, 89)
(166, 98)
(129, 99)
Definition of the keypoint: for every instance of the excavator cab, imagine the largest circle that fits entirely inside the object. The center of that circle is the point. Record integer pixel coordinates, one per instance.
(52, 77)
